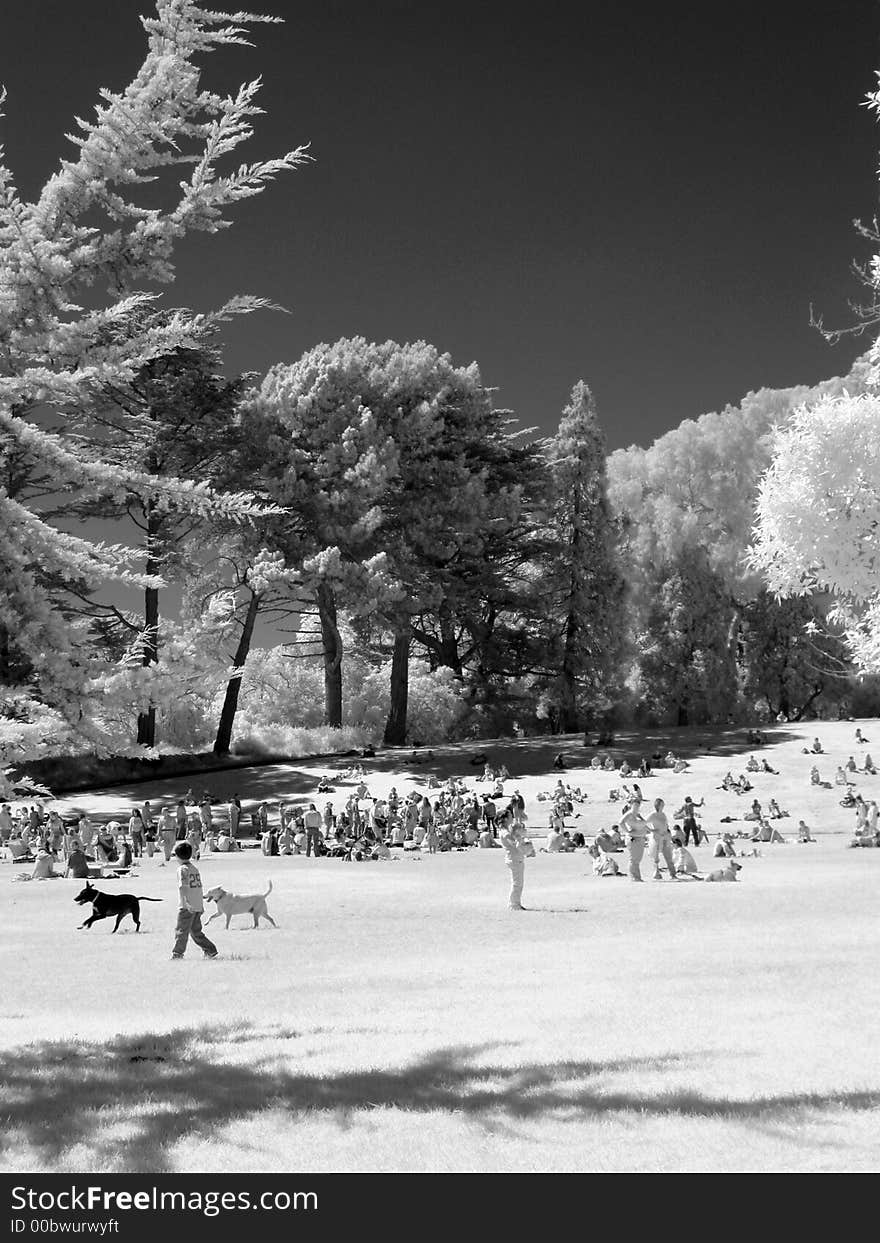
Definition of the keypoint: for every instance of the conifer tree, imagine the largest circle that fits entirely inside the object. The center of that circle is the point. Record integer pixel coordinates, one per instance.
(584, 589)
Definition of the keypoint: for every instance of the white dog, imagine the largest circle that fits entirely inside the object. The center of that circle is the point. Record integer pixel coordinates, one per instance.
(230, 904)
(726, 873)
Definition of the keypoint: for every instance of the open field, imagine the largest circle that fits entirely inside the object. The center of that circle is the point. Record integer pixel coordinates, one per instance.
(401, 1018)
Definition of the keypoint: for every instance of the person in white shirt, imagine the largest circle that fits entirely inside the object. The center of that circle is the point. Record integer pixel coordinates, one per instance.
(513, 840)
(661, 840)
(685, 863)
(555, 841)
(636, 829)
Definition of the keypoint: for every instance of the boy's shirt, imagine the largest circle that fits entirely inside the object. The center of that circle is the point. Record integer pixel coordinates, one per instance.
(189, 885)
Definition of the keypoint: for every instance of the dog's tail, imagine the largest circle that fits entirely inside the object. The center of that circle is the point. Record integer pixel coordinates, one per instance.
(142, 899)
(268, 891)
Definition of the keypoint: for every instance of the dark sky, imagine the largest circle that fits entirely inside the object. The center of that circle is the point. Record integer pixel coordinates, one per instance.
(648, 197)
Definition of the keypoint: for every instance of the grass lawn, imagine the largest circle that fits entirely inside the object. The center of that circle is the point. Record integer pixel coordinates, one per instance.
(401, 1018)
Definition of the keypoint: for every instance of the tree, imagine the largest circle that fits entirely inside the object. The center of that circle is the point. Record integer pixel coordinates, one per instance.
(584, 590)
(72, 318)
(687, 657)
(818, 515)
(177, 417)
(326, 459)
(788, 660)
(396, 450)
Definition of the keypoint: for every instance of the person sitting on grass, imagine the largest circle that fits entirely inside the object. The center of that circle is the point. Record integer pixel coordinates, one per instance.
(774, 811)
(765, 768)
(804, 834)
(625, 770)
(77, 863)
(743, 785)
(18, 850)
(44, 866)
(685, 864)
(755, 813)
(851, 766)
(753, 766)
(860, 738)
(555, 840)
(723, 848)
(869, 766)
(603, 863)
(608, 764)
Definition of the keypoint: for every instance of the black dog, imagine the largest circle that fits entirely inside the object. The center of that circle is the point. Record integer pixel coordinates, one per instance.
(106, 904)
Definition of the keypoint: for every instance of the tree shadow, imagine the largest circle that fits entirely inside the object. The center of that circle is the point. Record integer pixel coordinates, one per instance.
(159, 1089)
(297, 780)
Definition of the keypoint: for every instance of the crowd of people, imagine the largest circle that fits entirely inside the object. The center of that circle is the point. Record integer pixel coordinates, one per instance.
(443, 816)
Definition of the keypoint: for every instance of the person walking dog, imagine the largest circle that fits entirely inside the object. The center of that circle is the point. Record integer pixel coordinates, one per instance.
(192, 905)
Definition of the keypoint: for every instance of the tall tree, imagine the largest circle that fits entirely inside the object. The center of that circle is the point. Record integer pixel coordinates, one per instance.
(687, 647)
(72, 308)
(413, 461)
(584, 588)
(178, 417)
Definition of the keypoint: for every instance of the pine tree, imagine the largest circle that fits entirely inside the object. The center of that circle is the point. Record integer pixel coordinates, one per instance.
(584, 589)
(73, 321)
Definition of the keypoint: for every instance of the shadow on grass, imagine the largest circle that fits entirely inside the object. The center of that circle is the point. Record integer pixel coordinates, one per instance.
(525, 757)
(127, 1102)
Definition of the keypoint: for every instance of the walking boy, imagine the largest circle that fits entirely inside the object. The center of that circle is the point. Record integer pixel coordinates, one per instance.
(189, 915)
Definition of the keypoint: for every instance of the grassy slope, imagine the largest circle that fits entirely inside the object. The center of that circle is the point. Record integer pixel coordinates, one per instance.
(401, 1018)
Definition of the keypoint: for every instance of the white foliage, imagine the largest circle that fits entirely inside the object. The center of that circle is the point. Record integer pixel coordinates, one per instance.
(818, 514)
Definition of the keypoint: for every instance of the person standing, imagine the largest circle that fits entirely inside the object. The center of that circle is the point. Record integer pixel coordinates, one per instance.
(180, 815)
(137, 829)
(513, 839)
(661, 840)
(689, 820)
(205, 814)
(167, 832)
(191, 906)
(312, 824)
(234, 816)
(636, 829)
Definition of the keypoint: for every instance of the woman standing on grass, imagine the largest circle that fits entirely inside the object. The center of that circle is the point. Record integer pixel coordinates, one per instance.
(512, 837)
(137, 830)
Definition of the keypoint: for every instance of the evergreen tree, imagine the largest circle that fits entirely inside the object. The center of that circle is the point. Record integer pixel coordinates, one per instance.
(73, 264)
(584, 588)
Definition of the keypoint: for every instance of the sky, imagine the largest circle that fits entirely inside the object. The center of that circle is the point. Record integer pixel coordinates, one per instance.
(646, 197)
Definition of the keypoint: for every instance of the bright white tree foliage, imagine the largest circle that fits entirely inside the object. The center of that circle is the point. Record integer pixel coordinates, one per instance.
(818, 514)
(74, 265)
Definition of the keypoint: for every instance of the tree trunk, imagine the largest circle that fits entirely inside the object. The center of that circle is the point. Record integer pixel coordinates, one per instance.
(449, 655)
(332, 655)
(682, 714)
(233, 687)
(146, 723)
(395, 726)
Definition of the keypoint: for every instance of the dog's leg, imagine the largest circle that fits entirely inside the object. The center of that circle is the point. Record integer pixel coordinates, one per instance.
(270, 919)
(92, 918)
(207, 921)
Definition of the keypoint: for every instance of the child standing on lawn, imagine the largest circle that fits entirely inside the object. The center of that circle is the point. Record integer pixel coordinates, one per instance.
(189, 915)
